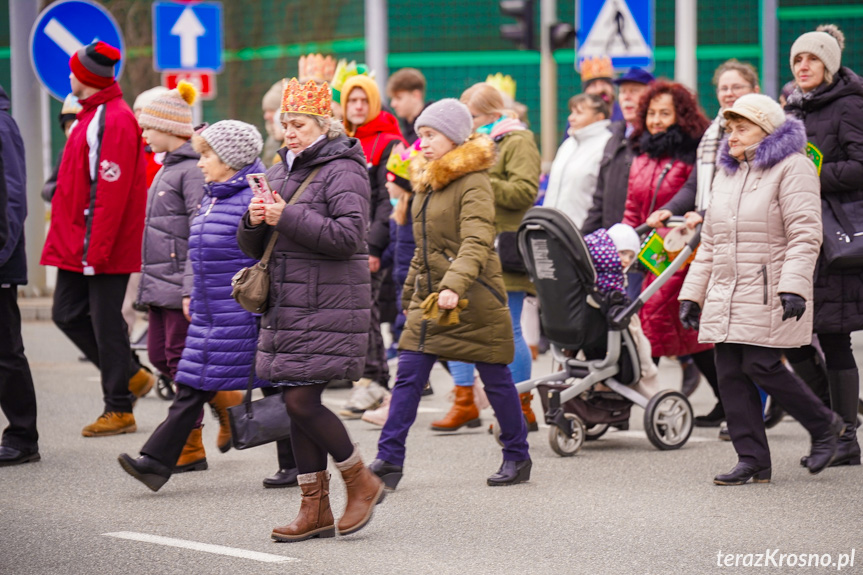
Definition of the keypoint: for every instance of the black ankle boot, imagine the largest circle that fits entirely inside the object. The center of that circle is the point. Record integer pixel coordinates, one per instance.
(844, 392)
(390, 474)
(282, 478)
(712, 419)
(511, 472)
(145, 469)
(742, 473)
(824, 448)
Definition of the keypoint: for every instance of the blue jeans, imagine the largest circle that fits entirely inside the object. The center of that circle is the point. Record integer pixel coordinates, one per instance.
(413, 373)
(462, 373)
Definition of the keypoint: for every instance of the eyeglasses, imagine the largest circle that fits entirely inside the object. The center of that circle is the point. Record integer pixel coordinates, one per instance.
(734, 89)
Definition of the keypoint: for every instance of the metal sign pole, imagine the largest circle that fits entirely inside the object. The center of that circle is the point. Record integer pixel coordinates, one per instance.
(377, 41)
(685, 43)
(769, 48)
(548, 84)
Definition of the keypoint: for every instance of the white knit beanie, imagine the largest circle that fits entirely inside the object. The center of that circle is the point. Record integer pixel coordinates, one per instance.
(625, 238)
(761, 110)
(827, 43)
(238, 144)
(449, 117)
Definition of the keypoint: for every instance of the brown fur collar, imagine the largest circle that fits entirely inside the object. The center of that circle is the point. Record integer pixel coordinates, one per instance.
(476, 154)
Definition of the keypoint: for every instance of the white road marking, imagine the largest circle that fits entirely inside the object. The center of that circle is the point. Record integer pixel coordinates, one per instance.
(205, 547)
(62, 37)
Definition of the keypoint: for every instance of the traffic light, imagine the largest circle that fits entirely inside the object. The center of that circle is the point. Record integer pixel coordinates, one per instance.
(522, 31)
(561, 35)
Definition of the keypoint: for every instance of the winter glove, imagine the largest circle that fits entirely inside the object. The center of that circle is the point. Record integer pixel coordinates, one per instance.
(444, 317)
(613, 304)
(689, 314)
(793, 305)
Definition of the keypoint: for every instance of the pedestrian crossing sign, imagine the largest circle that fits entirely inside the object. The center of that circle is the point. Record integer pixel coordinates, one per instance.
(620, 29)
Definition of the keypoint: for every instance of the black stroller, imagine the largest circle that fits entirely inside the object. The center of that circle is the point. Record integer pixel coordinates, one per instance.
(589, 349)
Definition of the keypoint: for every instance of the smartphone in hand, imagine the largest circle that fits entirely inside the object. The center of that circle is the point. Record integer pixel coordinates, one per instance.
(261, 187)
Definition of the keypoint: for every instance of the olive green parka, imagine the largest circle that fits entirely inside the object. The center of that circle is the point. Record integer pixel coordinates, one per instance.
(453, 224)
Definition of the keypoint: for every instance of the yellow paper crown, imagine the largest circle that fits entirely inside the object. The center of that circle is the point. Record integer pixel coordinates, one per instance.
(596, 67)
(503, 83)
(343, 72)
(306, 98)
(316, 67)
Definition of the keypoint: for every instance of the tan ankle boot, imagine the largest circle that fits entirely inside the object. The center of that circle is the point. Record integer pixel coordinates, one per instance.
(527, 410)
(193, 458)
(315, 518)
(142, 382)
(220, 404)
(111, 423)
(463, 412)
(365, 490)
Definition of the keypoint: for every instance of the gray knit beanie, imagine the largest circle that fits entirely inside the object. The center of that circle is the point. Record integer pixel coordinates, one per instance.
(827, 43)
(238, 144)
(449, 117)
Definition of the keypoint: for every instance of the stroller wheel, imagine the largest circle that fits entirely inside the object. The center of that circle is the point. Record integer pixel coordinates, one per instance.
(165, 387)
(594, 432)
(668, 420)
(562, 444)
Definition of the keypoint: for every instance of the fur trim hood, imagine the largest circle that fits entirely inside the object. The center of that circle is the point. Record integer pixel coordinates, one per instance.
(478, 153)
(789, 138)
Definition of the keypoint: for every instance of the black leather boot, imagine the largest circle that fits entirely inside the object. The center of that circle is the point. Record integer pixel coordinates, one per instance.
(712, 419)
(390, 474)
(824, 448)
(282, 478)
(844, 392)
(146, 470)
(814, 374)
(742, 473)
(511, 472)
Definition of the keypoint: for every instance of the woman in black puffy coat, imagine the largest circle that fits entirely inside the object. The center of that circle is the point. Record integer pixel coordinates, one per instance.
(828, 99)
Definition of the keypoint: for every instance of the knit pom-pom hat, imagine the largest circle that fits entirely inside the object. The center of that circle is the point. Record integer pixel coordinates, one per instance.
(171, 112)
(827, 43)
(93, 64)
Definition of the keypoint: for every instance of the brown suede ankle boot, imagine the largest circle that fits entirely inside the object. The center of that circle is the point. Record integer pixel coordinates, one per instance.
(365, 490)
(463, 412)
(193, 457)
(315, 518)
(527, 410)
(220, 404)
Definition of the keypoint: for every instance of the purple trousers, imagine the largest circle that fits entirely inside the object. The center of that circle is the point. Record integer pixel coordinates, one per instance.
(413, 373)
(166, 338)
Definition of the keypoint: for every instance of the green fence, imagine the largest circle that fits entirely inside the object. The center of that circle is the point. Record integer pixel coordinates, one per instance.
(455, 43)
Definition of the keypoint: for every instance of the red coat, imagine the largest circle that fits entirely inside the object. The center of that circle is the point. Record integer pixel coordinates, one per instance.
(660, 315)
(99, 230)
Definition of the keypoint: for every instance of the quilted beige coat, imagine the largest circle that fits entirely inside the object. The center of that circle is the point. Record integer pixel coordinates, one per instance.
(761, 237)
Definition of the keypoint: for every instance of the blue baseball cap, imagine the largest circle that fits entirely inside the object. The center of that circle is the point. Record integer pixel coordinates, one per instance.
(636, 75)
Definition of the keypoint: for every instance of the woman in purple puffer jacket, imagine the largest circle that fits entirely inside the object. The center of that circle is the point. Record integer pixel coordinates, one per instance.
(220, 344)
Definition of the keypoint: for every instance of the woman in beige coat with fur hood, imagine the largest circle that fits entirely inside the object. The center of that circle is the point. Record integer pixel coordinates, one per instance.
(753, 274)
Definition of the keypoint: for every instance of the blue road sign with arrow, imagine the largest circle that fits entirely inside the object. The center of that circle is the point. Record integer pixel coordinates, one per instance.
(620, 29)
(187, 36)
(60, 31)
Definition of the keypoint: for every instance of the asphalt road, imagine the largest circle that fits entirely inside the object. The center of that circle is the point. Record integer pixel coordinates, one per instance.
(619, 506)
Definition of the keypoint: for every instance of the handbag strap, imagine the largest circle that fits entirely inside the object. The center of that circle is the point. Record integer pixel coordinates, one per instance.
(841, 216)
(272, 244)
(664, 173)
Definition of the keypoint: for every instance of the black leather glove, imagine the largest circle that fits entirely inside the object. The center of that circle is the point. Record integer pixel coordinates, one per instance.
(793, 305)
(613, 304)
(690, 312)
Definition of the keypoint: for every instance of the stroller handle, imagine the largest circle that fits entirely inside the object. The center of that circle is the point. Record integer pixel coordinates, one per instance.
(672, 222)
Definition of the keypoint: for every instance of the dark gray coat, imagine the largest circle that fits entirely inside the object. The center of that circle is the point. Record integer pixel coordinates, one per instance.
(317, 324)
(609, 199)
(833, 116)
(172, 204)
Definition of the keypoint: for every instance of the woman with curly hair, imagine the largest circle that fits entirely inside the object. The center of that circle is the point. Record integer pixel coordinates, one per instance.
(669, 127)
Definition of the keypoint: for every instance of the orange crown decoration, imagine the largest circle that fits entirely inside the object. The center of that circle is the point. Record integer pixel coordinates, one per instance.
(596, 67)
(316, 67)
(306, 98)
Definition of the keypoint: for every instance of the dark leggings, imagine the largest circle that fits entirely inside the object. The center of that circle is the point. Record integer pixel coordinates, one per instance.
(837, 351)
(315, 430)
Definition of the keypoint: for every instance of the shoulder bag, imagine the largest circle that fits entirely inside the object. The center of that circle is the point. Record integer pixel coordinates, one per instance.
(843, 232)
(258, 422)
(251, 285)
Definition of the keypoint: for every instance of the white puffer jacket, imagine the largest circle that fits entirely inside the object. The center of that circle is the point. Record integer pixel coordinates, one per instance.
(761, 237)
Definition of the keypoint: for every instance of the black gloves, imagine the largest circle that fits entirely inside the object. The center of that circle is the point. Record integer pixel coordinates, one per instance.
(689, 314)
(793, 305)
(613, 304)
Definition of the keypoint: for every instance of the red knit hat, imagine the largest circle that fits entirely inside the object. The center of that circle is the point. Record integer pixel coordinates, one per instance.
(93, 65)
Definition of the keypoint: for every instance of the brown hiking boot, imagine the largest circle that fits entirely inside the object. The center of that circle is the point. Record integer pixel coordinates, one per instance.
(220, 404)
(527, 410)
(365, 490)
(111, 423)
(193, 457)
(315, 518)
(463, 412)
(142, 382)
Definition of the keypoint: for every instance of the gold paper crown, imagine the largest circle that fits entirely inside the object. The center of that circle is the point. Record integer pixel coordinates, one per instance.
(596, 67)
(306, 98)
(503, 83)
(343, 72)
(316, 67)
(399, 162)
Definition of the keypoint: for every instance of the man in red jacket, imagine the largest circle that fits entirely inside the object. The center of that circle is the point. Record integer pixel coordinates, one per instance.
(96, 230)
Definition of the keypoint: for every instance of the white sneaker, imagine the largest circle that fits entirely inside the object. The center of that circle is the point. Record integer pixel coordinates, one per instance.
(378, 416)
(367, 394)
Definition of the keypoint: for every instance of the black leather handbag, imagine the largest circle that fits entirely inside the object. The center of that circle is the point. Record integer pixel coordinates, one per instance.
(843, 233)
(258, 422)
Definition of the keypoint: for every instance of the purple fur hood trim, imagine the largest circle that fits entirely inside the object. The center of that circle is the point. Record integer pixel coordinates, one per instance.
(789, 138)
